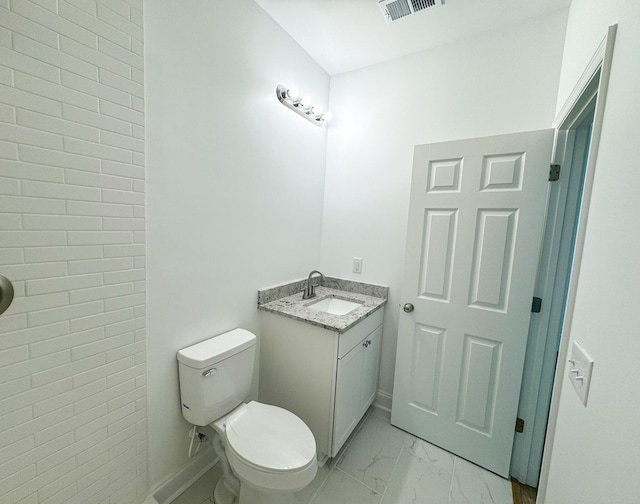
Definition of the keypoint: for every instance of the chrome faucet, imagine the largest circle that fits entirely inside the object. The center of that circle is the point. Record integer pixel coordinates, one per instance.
(310, 291)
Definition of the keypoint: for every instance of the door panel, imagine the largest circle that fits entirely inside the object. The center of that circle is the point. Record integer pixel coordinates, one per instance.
(476, 399)
(426, 367)
(436, 263)
(493, 258)
(475, 227)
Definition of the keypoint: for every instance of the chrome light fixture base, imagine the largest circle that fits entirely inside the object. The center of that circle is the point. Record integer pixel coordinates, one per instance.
(293, 101)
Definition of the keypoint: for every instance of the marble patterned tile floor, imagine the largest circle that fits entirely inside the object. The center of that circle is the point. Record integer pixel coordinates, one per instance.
(381, 464)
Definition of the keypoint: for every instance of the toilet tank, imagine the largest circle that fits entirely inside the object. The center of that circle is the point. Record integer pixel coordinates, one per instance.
(216, 375)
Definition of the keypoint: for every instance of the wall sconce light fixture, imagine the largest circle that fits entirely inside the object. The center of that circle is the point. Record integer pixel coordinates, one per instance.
(290, 98)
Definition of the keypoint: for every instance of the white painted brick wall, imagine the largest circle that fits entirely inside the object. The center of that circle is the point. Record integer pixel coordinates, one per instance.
(72, 344)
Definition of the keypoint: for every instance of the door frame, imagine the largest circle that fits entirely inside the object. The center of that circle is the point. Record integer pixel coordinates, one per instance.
(551, 286)
(594, 82)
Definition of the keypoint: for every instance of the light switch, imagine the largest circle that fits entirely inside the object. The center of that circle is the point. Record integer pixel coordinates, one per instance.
(580, 370)
(357, 264)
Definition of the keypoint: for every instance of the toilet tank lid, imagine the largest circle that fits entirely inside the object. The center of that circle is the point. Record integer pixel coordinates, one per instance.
(216, 349)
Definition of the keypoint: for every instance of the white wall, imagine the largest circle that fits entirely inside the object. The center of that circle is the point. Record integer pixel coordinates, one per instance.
(72, 344)
(595, 450)
(235, 185)
(501, 82)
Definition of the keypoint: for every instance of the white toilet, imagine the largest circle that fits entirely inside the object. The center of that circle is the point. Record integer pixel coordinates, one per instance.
(267, 453)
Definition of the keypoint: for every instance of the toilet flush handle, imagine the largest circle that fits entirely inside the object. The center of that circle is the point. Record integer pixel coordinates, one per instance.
(209, 372)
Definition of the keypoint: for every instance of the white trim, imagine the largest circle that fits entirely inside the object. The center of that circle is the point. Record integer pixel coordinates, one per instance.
(592, 68)
(383, 401)
(602, 59)
(171, 487)
(544, 328)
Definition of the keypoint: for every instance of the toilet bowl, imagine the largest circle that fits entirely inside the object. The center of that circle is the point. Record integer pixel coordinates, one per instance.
(269, 449)
(267, 453)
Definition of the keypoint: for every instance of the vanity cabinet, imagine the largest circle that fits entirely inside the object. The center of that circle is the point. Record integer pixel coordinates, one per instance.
(329, 379)
(356, 380)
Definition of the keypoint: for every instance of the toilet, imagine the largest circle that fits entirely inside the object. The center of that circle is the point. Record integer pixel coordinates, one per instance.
(267, 453)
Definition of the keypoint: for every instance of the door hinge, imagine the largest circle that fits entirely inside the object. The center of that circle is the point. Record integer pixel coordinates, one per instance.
(554, 172)
(536, 305)
(519, 425)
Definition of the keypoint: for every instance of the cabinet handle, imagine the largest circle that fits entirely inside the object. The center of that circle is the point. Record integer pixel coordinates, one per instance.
(365, 343)
(368, 342)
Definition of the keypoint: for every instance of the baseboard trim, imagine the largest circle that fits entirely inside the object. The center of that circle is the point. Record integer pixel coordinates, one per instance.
(383, 401)
(171, 487)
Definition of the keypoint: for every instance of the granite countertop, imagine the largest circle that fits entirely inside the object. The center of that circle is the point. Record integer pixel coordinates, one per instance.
(293, 306)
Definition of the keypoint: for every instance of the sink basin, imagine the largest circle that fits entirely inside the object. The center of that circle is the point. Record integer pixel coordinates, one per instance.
(334, 306)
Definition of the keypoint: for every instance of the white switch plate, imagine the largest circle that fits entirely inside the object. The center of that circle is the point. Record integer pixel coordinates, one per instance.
(580, 370)
(357, 264)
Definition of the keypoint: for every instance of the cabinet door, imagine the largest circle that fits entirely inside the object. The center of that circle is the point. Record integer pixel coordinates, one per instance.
(370, 370)
(348, 394)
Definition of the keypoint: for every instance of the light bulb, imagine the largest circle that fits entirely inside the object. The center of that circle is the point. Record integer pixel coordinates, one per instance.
(327, 116)
(317, 109)
(305, 100)
(293, 93)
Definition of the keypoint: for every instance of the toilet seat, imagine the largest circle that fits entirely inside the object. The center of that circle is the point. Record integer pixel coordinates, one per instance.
(270, 447)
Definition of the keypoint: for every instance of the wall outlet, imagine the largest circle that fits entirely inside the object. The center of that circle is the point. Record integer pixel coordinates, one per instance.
(357, 264)
(580, 370)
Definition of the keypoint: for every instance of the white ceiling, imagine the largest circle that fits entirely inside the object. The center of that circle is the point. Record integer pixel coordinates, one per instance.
(343, 35)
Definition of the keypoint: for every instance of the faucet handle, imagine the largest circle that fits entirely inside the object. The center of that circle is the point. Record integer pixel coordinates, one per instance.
(309, 292)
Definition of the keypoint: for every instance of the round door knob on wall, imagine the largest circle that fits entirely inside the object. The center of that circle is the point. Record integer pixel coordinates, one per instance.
(408, 307)
(6, 293)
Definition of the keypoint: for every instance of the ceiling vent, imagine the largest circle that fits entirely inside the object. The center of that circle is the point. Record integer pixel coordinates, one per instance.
(396, 9)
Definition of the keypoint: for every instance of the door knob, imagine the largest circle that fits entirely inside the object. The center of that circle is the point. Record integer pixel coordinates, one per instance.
(408, 307)
(6, 293)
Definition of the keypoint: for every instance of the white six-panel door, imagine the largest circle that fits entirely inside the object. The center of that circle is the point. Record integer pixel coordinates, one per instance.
(475, 228)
